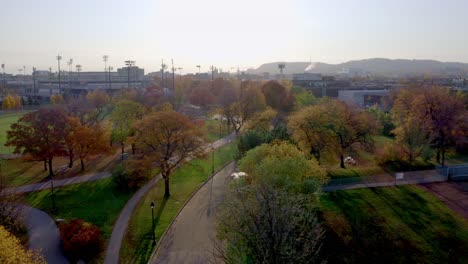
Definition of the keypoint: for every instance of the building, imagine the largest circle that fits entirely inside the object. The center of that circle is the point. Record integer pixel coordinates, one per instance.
(363, 98)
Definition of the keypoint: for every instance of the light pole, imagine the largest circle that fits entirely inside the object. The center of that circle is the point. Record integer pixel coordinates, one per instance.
(180, 72)
(105, 58)
(51, 179)
(78, 70)
(58, 61)
(198, 66)
(212, 158)
(152, 221)
(70, 67)
(4, 80)
(34, 84)
(129, 64)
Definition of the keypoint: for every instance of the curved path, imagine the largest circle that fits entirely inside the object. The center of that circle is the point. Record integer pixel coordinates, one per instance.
(57, 183)
(191, 237)
(120, 226)
(43, 234)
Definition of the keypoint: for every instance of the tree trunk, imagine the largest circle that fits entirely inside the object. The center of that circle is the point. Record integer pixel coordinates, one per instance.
(438, 155)
(122, 146)
(51, 170)
(133, 148)
(167, 193)
(70, 163)
(82, 164)
(45, 165)
(342, 165)
(443, 157)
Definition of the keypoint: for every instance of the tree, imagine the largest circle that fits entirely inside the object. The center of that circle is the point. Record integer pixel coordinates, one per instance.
(98, 100)
(282, 165)
(56, 99)
(40, 134)
(11, 250)
(277, 96)
(250, 101)
(80, 240)
(124, 114)
(201, 96)
(11, 102)
(438, 111)
(90, 141)
(169, 139)
(411, 135)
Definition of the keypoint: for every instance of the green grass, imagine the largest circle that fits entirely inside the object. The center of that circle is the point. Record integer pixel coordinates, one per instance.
(95, 202)
(137, 245)
(392, 225)
(5, 122)
(215, 129)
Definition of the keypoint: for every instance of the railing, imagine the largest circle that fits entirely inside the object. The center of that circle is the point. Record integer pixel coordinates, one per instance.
(454, 172)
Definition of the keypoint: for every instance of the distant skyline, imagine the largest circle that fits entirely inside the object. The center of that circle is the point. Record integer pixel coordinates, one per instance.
(227, 33)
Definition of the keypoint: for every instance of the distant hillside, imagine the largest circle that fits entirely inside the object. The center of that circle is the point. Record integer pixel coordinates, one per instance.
(375, 66)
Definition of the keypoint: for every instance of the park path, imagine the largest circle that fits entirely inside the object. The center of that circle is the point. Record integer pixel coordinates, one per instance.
(453, 194)
(43, 234)
(415, 177)
(57, 183)
(120, 226)
(191, 237)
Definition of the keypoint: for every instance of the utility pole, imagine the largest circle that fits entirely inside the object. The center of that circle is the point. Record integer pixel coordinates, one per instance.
(129, 64)
(34, 84)
(58, 60)
(105, 58)
(173, 76)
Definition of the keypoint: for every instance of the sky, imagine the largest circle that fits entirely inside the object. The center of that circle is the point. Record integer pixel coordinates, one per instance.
(227, 33)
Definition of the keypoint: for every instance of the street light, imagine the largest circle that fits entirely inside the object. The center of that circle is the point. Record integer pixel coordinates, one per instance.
(212, 159)
(78, 70)
(105, 58)
(4, 80)
(51, 179)
(70, 69)
(152, 221)
(110, 77)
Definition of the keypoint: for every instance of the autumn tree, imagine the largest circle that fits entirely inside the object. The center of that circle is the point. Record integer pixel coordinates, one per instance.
(439, 112)
(89, 141)
(201, 97)
(11, 102)
(56, 99)
(277, 96)
(124, 114)
(169, 139)
(250, 101)
(11, 250)
(40, 134)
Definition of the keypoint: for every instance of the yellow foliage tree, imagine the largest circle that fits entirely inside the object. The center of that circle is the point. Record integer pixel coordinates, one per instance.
(11, 251)
(56, 99)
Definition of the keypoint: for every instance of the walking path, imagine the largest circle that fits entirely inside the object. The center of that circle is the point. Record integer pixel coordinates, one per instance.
(453, 194)
(191, 237)
(415, 177)
(115, 242)
(57, 183)
(43, 234)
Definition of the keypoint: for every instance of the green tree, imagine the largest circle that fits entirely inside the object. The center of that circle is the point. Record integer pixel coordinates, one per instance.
(125, 113)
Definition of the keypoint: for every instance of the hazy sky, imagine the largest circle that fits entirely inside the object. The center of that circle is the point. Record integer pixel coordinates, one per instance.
(228, 33)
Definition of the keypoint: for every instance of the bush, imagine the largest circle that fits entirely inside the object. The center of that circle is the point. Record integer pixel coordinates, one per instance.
(391, 157)
(254, 138)
(131, 175)
(80, 240)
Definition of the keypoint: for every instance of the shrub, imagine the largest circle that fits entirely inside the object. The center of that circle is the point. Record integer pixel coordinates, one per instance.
(131, 175)
(80, 240)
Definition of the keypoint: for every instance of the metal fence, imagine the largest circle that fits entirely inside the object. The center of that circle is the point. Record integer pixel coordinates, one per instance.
(454, 172)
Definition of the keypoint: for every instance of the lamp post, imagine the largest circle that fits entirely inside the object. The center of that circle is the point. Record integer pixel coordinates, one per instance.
(152, 221)
(51, 179)
(4, 80)
(70, 69)
(34, 84)
(58, 61)
(212, 159)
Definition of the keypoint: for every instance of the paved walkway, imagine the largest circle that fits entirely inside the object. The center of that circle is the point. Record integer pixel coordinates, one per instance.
(118, 232)
(57, 183)
(417, 177)
(43, 234)
(191, 238)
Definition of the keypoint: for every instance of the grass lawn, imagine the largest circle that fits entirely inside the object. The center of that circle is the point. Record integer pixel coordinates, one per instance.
(215, 129)
(391, 225)
(95, 202)
(137, 244)
(5, 122)
(17, 172)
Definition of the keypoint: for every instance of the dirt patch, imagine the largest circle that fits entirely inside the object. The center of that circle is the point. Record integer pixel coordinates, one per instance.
(453, 194)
